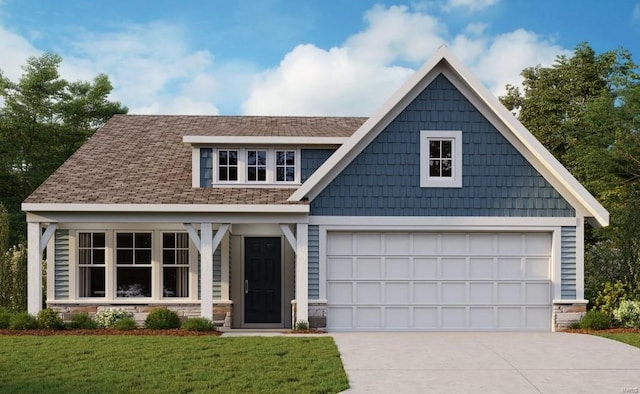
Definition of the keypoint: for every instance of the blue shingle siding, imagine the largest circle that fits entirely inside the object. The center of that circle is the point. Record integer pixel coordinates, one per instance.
(61, 264)
(568, 263)
(311, 160)
(314, 262)
(384, 179)
(206, 167)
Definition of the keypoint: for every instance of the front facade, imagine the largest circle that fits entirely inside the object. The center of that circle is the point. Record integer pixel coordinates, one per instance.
(439, 212)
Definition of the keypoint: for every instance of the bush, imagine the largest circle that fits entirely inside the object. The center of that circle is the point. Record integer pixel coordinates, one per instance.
(109, 317)
(198, 324)
(301, 325)
(49, 319)
(595, 320)
(628, 314)
(162, 319)
(83, 321)
(23, 321)
(5, 318)
(126, 324)
(610, 296)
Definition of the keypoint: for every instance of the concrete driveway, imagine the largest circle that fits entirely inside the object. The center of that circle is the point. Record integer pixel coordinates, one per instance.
(488, 363)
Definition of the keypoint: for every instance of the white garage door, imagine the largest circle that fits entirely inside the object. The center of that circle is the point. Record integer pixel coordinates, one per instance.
(447, 281)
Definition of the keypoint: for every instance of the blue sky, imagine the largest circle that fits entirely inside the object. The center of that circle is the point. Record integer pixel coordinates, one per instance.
(297, 57)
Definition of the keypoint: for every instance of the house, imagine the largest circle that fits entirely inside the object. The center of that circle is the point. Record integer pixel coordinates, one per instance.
(439, 212)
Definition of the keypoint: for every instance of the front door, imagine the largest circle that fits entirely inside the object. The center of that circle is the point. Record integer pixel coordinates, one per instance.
(262, 285)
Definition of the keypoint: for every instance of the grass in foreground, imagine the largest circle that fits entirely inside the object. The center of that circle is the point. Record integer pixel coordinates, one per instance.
(631, 338)
(69, 364)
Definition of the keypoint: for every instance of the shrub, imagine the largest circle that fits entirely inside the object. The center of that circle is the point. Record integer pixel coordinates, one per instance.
(109, 317)
(595, 320)
(126, 324)
(301, 325)
(198, 324)
(610, 296)
(628, 314)
(83, 321)
(5, 318)
(162, 319)
(49, 319)
(23, 321)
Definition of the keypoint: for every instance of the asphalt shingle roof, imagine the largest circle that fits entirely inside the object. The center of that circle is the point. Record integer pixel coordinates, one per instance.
(141, 159)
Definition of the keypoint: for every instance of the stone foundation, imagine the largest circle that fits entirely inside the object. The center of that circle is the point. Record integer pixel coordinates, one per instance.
(567, 312)
(222, 313)
(317, 313)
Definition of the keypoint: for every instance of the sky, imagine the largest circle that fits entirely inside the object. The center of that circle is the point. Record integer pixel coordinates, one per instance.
(297, 57)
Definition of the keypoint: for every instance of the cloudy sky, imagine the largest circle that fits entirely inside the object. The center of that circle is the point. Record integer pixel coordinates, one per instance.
(297, 57)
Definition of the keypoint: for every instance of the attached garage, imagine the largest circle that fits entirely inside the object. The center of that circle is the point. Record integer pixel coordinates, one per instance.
(421, 281)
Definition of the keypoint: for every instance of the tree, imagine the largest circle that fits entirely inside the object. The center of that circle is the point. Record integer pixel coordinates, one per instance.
(43, 120)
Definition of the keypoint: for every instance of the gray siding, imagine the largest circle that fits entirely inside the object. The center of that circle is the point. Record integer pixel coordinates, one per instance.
(217, 273)
(568, 263)
(206, 167)
(61, 265)
(384, 180)
(314, 263)
(311, 160)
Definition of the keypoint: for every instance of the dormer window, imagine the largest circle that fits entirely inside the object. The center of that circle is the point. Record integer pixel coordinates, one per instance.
(285, 165)
(228, 165)
(256, 165)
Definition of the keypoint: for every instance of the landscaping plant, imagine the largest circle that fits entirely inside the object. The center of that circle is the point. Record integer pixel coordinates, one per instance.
(49, 319)
(610, 296)
(628, 314)
(5, 318)
(595, 320)
(162, 319)
(198, 324)
(301, 325)
(23, 321)
(109, 317)
(126, 324)
(83, 321)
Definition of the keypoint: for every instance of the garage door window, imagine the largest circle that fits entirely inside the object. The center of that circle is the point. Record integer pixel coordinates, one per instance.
(440, 158)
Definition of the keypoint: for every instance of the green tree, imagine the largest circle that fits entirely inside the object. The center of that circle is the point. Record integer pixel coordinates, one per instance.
(43, 120)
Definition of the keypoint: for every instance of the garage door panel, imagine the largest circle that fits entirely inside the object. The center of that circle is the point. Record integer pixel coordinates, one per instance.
(453, 268)
(339, 268)
(425, 268)
(368, 268)
(397, 268)
(446, 281)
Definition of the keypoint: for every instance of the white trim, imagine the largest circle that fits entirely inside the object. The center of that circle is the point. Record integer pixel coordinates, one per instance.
(455, 137)
(252, 208)
(222, 231)
(193, 235)
(51, 229)
(564, 302)
(135, 219)
(288, 234)
(263, 140)
(224, 267)
(206, 271)
(555, 173)
(195, 168)
(134, 301)
(34, 269)
(441, 221)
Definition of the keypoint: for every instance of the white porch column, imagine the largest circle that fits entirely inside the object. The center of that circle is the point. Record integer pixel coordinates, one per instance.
(302, 273)
(34, 269)
(206, 270)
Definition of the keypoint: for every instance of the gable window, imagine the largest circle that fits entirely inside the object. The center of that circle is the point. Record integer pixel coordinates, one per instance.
(175, 264)
(91, 264)
(133, 264)
(440, 158)
(257, 165)
(285, 166)
(228, 165)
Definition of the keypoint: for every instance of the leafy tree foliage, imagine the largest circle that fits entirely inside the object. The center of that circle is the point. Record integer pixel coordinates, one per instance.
(43, 120)
(585, 109)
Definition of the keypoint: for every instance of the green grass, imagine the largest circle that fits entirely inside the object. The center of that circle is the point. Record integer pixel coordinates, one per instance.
(74, 364)
(630, 338)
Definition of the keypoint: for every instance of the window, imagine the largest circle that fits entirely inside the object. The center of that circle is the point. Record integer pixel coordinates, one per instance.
(440, 158)
(285, 166)
(133, 264)
(175, 265)
(257, 165)
(91, 264)
(228, 165)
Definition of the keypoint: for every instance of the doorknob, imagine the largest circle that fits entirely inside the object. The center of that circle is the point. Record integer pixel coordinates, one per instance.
(246, 286)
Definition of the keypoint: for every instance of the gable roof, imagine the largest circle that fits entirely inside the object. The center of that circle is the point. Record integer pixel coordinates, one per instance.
(443, 62)
(142, 160)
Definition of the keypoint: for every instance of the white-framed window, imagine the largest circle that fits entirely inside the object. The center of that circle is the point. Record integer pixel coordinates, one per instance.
(256, 166)
(92, 264)
(175, 264)
(133, 264)
(440, 158)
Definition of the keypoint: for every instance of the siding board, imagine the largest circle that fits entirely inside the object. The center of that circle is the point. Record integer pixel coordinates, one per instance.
(568, 263)
(314, 263)
(61, 265)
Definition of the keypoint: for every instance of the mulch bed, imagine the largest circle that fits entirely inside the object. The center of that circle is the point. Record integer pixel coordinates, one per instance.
(173, 333)
(607, 331)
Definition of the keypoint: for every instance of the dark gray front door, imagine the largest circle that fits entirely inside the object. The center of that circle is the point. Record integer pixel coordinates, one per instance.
(262, 287)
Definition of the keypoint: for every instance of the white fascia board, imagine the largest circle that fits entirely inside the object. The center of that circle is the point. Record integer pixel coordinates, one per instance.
(205, 208)
(262, 140)
(440, 221)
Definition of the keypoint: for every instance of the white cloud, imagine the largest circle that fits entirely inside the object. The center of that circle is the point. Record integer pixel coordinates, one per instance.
(636, 12)
(14, 50)
(471, 5)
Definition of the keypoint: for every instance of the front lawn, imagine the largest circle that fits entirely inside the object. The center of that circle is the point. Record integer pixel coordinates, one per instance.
(68, 364)
(631, 338)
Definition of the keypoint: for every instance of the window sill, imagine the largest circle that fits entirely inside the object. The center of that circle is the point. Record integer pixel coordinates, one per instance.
(254, 185)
